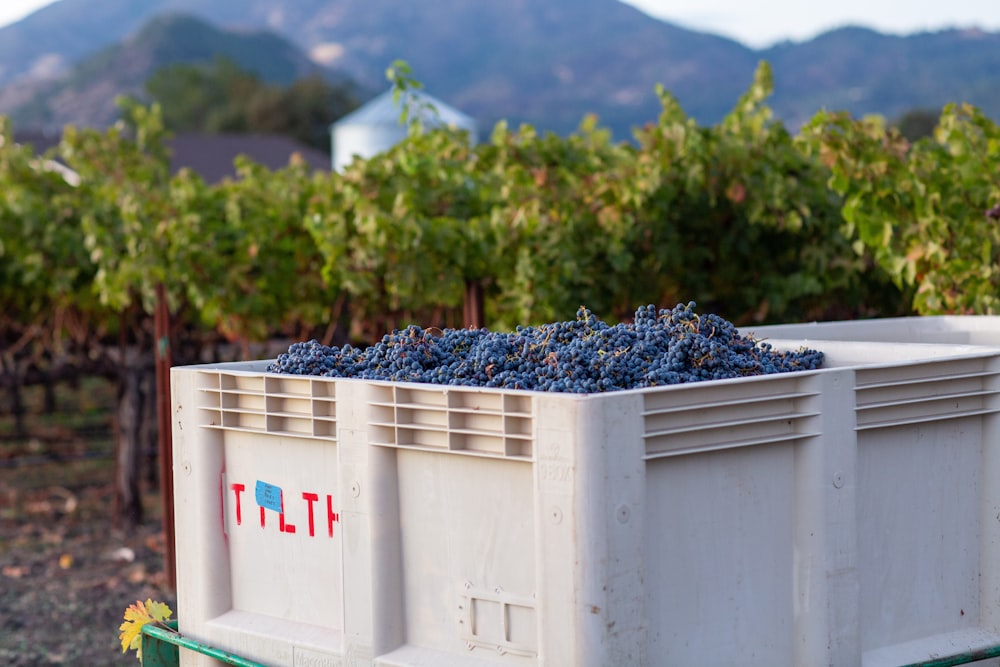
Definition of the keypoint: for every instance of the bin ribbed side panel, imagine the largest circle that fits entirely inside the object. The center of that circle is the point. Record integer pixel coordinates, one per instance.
(485, 423)
(289, 406)
(925, 392)
(705, 418)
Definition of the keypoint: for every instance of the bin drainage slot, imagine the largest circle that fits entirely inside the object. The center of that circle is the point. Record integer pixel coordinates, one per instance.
(496, 620)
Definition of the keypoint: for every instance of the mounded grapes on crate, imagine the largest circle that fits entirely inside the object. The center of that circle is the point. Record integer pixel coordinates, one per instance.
(585, 355)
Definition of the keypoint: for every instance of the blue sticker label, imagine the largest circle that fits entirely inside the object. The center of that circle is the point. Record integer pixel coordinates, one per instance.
(268, 495)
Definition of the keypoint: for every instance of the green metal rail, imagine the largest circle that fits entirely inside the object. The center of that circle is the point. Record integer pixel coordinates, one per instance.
(963, 658)
(161, 648)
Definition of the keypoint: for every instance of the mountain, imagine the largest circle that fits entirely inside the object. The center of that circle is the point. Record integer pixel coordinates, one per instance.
(863, 71)
(86, 94)
(544, 62)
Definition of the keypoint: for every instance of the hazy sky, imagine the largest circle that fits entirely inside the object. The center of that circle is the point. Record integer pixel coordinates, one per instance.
(764, 22)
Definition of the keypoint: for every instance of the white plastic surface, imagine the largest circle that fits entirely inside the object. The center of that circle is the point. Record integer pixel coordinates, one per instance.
(847, 516)
(946, 329)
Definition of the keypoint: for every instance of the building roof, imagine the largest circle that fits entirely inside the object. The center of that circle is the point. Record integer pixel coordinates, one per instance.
(212, 155)
(39, 141)
(384, 111)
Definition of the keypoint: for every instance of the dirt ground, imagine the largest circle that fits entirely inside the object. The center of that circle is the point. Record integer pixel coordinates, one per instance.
(66, 574)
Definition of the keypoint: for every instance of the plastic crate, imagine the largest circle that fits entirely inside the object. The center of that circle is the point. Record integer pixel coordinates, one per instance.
(846, 516)
(946, 329)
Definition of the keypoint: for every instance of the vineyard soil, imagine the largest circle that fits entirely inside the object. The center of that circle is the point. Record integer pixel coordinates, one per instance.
(66, 576)
(66, 573)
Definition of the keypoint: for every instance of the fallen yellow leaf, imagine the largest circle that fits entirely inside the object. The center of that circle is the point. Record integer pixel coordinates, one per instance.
(136, 616)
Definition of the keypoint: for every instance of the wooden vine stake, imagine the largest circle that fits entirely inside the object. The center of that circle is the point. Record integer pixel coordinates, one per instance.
(161, 334)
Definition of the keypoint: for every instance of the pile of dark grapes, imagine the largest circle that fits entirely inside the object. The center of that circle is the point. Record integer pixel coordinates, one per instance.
(582, 356)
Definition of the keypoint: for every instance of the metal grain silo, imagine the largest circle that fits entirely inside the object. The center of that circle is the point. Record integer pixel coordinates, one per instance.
(375, 126)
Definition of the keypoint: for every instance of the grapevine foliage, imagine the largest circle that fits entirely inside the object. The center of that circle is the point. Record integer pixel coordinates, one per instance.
(584, 355)
(738, 217)
(927, 211)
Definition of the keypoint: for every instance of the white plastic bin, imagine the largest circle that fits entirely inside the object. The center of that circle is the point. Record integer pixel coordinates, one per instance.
(947, 329)
(847, 516)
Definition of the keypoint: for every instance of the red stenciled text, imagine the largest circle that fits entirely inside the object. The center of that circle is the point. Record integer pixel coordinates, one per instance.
(318, 511)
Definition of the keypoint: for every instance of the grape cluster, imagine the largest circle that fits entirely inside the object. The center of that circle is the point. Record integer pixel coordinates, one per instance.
(585, 355)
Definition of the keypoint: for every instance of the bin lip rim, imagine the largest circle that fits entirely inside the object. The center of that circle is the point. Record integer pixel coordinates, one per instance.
(937, 353)
(939, 322)
(445, 388)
